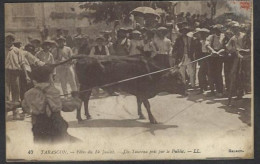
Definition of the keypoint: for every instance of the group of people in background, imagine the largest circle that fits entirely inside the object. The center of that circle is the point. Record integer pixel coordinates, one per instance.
(191, 37)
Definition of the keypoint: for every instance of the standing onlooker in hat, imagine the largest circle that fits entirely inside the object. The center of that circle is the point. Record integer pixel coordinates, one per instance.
(236, 46)
(65, 72)
(201, 51)
(77, 44)
(59, 33)
(31, 61)
(108, 42)
(14, 66)
(228, 60)
(180, 17)
(78, 33)
(136, 43)
(122, 43)
(69, 40)
(84, 48)
(184, 54)
(148, 43)
(45, 34)
(163, 46)
(100, 48)
(215, 45)
(46, 56)
(37, 45)
(18, 44)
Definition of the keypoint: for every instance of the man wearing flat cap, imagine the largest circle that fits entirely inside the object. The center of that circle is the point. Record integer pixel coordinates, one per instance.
(65, 72)
(14, 67)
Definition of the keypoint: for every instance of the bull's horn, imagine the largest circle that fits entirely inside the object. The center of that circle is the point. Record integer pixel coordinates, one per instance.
(68, 60)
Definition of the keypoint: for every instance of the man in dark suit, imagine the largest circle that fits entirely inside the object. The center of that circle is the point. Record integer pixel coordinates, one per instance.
(184, 53)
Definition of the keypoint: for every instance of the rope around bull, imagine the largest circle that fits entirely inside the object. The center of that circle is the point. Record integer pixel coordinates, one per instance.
(136, 77)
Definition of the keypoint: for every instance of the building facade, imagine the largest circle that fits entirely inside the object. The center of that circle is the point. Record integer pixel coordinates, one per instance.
(28, 19)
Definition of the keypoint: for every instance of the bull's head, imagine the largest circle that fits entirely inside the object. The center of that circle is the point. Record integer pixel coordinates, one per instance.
(172, 82)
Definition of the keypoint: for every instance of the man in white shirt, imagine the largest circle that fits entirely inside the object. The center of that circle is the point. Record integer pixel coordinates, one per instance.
(163, 46)
(65, 72)
(100, 48)
(136, 43)
(215, 43)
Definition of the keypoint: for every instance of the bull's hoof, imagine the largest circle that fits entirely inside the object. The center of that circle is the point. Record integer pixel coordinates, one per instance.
(141, 117)
(88, 117)
(153, 121)
(80, 121)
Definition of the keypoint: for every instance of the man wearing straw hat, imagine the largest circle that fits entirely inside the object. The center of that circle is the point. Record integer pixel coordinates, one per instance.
(122, 43)
(201, 51)
(100, 48)
(136, 43)
(216, 47)
(163, 46)
(46, 56)
(37, 44)
(237, 47)
(65, 72)
(14, 66)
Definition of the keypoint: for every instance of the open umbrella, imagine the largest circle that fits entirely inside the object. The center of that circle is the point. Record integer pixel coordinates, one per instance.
(144, 11)
(229, 15)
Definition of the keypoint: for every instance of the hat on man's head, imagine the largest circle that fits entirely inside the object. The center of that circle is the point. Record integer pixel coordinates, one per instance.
(188, 14)
(48, 42)
(35, 40)
(10, 35)
(121, 29)
(182, 24)
(29, 47)
(61, 38)
(218, 26)
(17, 42)
(106, 32)
(228, 20)
(136, 32)
(129, 30)
(200, 30)
(180, 14)
(162, 29)
(59, 30)
(169, 25)
(100, 38)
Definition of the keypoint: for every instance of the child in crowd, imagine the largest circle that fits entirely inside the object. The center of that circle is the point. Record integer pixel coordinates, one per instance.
(44, 103)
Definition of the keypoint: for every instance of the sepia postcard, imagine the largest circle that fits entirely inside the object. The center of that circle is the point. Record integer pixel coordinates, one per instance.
(129, 80)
